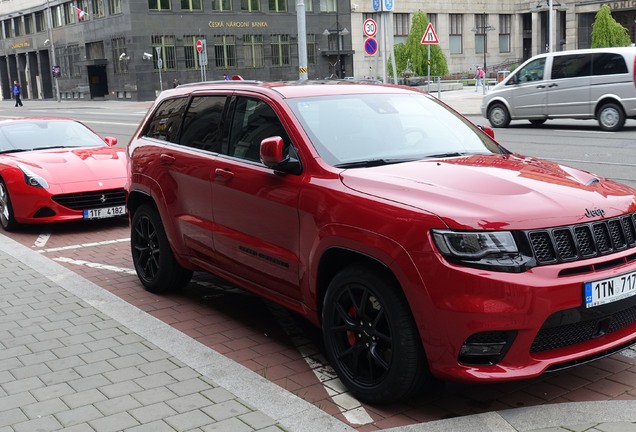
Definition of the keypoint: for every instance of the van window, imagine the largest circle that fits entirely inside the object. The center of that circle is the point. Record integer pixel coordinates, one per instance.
(532, 71)
(609, 64)
(571, 66)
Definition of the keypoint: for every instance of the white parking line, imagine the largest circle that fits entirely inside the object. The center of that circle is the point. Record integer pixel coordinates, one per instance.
(95, 265)
(84, 245)
(42, 239)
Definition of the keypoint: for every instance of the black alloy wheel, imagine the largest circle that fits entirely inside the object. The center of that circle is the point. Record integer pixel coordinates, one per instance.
(6, 209)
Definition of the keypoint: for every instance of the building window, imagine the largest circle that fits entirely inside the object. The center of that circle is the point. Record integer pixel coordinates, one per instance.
(309, 6)
(158, 5)
(401, 24)
(40, 23)
(481, 26)
(73, 57)
(57, 13)
(114, 7)
(70, 16)
(504, 32)
(191, 5)
(328, 5)
(190, 52)
(6, 25)
(312, 49)
(432, 18)
(281, 50)
(17, 26)
(168, 52)
(278, 5)
(119, 49)
(222, 5)
(253, 51)
(98, 10)
(225, 51)
(250, 5)
(455, 35)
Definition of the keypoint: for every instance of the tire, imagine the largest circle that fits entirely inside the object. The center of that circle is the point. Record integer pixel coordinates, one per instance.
(370, 336)
(537, 122)
(6, 209)
(498, 116)
(152, 256)
(611, 117)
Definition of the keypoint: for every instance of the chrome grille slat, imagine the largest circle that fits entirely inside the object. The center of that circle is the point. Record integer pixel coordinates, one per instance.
(580, 241)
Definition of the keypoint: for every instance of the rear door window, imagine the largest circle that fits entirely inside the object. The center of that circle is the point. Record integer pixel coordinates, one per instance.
(609, 64)
(203, 123)
(571, 66)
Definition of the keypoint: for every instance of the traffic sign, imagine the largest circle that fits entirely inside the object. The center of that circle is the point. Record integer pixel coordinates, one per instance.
(199, 46)
(429, 36)
(376, 5)
(370, 46)
(388, 5)
(370, 27)
(202, 48)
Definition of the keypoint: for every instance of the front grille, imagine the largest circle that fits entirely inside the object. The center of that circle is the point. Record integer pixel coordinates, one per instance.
(588, 328)
(92, 200)
(581, 241)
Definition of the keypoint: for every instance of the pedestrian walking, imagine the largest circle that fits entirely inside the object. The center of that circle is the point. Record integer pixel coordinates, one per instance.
(479, 78)
(16, 93)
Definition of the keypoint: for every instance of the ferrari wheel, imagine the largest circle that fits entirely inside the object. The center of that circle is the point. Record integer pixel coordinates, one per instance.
(152, 256)
(370, 336)
(6, 210)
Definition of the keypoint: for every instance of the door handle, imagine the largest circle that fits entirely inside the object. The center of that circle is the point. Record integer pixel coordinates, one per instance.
(540, 86)
(167, 159)
(224, 174)
(553, 85)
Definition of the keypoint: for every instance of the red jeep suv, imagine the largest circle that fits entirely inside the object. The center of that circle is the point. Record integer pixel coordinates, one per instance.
(421, 246)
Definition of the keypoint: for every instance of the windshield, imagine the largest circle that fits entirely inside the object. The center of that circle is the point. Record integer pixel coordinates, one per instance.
(42, 134)
(349, 130)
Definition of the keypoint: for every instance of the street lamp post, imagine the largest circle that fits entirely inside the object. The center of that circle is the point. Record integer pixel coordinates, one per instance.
(483, 29)
(339, 33)
(550, 8)
(49, 18)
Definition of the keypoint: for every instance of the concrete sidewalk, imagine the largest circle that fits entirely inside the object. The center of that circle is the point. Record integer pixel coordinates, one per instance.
(76, 358)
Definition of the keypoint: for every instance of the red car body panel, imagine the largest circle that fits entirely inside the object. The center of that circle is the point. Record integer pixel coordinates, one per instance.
(269, 232)
(67, 171)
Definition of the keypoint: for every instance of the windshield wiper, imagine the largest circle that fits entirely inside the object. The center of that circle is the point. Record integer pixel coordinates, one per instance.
(372, 163)
(14, 151)
(445, 155)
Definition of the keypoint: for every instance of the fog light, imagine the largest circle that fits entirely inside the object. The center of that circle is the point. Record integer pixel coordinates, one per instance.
(486, 348)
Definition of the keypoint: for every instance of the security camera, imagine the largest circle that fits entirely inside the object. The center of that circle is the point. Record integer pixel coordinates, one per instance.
(147, 56)
(47, 42)
(354, 7)
(123, 56)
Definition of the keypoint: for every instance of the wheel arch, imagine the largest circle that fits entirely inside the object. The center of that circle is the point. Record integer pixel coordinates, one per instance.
(608, 99)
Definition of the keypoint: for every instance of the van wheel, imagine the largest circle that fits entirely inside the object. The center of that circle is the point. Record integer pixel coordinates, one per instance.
(537, 122)
(152, 256)
(498, 116)
(611, 117)
(370, 336)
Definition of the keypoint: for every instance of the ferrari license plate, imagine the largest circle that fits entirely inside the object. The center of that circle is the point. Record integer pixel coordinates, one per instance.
(610, 290)
(102, 213)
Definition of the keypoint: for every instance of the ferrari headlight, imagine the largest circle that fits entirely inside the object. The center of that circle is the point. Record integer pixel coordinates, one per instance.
(474, 245)
(32, 179)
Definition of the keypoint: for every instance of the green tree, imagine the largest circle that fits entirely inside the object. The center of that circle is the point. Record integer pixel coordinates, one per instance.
(416, 54)
(606, 32)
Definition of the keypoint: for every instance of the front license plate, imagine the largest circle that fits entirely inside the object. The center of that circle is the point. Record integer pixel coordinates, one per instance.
(102, 213)
(610, 290)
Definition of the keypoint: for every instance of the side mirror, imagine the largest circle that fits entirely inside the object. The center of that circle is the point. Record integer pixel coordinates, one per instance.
(272, 153)
(488, 131)
(111, 141)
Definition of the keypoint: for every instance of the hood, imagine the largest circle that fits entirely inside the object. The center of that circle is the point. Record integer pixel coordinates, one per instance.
(496, 191)
(65, 166)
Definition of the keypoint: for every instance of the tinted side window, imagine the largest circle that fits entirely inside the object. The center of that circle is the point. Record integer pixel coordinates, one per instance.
(202, 125)
(609, 64)
(533, 71)
(166, 120)
(253, 121)
(571, 66)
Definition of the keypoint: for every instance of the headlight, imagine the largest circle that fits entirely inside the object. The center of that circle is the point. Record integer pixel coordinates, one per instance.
(32, 179)
(491, 250)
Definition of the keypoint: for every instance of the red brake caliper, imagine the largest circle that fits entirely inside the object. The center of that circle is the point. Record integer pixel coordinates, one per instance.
(352, 336)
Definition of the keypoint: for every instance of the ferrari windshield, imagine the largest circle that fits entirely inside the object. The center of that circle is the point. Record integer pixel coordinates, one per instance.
(37, 134)
(366, 129)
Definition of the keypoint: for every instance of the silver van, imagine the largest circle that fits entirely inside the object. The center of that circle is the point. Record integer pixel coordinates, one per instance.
(582, 84)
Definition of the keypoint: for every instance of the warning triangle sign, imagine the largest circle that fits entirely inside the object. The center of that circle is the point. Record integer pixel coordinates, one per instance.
(429, 36)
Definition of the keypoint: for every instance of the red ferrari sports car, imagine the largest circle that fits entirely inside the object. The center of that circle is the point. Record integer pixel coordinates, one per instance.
(56, 170)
